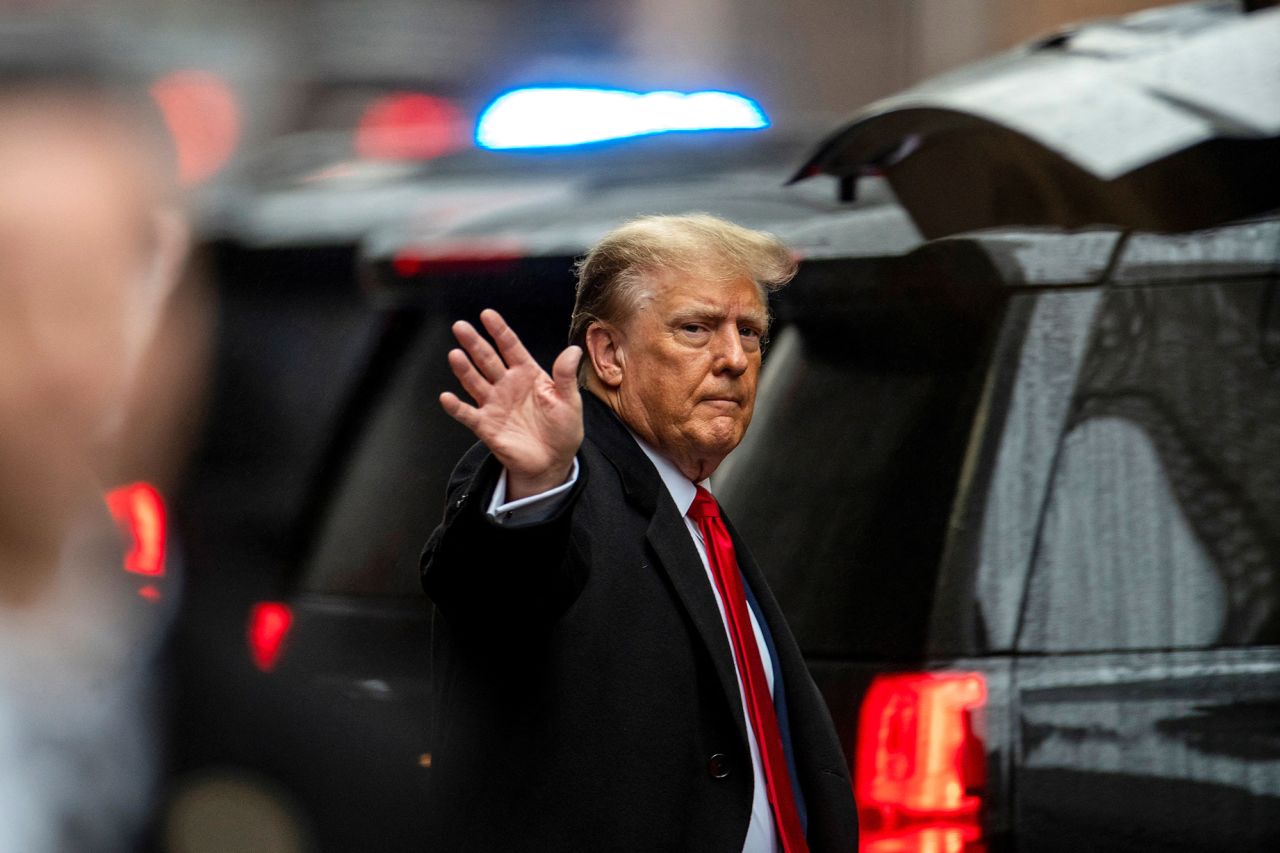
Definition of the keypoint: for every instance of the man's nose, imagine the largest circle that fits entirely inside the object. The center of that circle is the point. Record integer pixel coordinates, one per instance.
(731, 357)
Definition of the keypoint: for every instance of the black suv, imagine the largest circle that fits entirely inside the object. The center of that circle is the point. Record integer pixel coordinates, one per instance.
(1035, 475)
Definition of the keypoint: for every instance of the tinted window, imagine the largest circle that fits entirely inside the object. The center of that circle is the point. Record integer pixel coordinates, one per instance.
(294, 332)
(1034, 376)
(393, 490)
(390, 493)
(845, 481)
(1162, 527)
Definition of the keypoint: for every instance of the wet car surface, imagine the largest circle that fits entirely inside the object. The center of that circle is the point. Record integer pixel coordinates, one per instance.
(1077, 515)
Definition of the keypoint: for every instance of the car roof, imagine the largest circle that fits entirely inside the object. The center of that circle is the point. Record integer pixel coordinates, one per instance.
(549, 235)
(568, 225)
(307, 190)
(1029, 257)
(846, 245)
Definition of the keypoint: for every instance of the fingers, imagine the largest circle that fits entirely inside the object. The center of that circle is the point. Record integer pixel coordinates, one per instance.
(482, 354)
(504, 336)
(564, 372)
(472, 382)
(468, 416)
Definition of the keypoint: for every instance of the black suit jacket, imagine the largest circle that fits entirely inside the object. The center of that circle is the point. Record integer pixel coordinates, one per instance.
(585, 691)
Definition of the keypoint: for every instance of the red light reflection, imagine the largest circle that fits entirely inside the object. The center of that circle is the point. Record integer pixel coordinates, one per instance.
(409, 126)
(407, 265)
(269, 624)
(459, 258)
(139, 511)
(942, 838)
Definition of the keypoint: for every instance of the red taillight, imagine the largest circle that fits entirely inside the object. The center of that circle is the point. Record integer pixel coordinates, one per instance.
(139, 511)
(269, 624)
(920, 767)
(474, 258)
(935, 838)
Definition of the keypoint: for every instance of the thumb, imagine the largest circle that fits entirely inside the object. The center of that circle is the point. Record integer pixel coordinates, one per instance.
(565, 370)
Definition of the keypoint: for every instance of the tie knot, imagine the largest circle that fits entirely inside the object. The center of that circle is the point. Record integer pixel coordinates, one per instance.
(703, 506)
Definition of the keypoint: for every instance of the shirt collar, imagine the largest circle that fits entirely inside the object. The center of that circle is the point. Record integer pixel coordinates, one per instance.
(681, 489)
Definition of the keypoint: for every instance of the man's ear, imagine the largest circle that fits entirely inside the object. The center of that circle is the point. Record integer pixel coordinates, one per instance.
(604, 349)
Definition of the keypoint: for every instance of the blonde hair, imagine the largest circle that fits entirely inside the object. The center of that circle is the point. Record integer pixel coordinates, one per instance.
(612, 276)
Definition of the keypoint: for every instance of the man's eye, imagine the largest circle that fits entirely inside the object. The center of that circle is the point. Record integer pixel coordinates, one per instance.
(692, 328)
(748, 332)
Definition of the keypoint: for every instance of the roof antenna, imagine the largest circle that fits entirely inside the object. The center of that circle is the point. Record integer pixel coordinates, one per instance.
(849, 188)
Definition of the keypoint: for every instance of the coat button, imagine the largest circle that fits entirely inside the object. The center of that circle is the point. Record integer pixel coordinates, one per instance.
(718, 766)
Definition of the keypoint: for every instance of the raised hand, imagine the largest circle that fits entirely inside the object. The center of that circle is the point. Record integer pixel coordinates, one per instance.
(531, 421)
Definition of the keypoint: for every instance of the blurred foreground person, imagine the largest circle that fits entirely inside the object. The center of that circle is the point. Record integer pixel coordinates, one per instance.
(612, 671)
(91, 243)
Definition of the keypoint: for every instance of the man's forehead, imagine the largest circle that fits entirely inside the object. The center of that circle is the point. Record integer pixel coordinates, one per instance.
(53, 134)
(68, 178)
(704, 292)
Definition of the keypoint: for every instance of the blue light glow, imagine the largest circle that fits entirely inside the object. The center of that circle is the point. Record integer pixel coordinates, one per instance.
(557, 117)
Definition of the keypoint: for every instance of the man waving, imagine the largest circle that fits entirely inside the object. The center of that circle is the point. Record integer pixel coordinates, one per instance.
(612, 672)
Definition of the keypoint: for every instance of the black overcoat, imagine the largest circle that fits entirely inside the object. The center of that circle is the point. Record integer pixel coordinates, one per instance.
(585, 694)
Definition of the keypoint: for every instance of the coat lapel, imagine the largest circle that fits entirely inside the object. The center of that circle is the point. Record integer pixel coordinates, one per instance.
(668, 538)
(678, 557)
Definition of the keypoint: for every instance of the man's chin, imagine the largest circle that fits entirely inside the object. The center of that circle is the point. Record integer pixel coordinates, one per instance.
(721, 436)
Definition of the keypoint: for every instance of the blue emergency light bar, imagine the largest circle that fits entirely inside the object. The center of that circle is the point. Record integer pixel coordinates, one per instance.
(557, 117)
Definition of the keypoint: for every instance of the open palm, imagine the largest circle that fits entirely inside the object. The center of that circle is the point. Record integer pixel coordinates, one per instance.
(531, 421)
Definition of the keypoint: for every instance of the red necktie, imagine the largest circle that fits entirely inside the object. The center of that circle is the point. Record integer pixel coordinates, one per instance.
(724, 568)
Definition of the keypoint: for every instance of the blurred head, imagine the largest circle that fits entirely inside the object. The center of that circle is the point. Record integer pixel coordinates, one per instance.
(93, 241)
(90, 248)
(672, 313)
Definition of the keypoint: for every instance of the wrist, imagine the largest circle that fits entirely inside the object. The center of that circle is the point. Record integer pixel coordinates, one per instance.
(527, 485)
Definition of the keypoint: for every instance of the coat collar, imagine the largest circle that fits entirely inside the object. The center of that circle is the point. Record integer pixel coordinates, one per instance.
(640, 480)
(681, 489)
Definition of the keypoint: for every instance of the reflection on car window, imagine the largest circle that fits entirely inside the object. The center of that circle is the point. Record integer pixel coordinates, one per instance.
(1163, 524)
(1119, 566)
(1047, 365)
(844, 483)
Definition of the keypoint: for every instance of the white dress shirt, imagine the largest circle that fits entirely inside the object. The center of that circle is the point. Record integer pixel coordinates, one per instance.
(761, 835)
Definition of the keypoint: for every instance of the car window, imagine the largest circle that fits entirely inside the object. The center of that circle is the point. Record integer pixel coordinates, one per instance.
(1162, 527)
(294, 331)
(391, 493)
(1045, 365)
(845, 481)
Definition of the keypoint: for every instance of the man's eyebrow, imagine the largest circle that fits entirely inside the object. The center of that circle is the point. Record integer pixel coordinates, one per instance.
(712, 313)
(697, 312)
